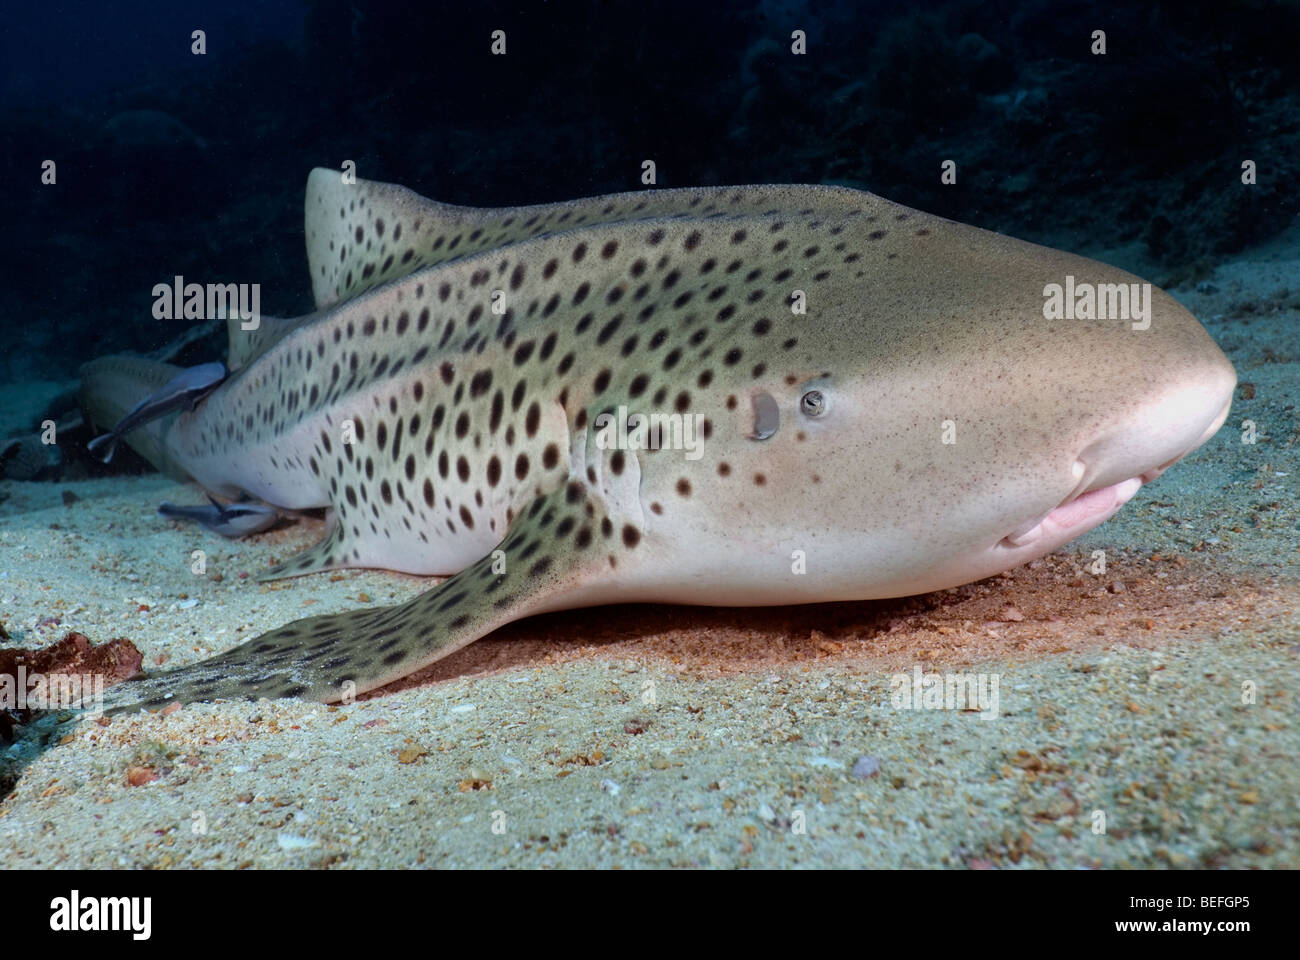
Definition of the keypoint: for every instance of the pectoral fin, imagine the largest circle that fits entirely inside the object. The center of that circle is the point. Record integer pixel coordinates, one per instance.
(326, 555)
(549, 554)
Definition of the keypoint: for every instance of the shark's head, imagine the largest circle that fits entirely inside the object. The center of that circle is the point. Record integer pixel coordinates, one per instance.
(937, 425)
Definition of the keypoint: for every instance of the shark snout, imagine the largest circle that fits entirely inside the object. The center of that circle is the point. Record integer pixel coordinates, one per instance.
(1148, 426)
(1210, 431)
(1178, 410)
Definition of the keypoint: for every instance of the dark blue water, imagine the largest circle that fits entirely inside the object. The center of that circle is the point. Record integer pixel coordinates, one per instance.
(174, 163)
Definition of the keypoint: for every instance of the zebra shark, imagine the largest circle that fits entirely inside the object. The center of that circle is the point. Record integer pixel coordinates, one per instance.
(883, 408)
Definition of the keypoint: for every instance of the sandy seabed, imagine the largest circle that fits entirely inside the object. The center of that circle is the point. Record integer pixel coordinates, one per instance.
(1147, 716)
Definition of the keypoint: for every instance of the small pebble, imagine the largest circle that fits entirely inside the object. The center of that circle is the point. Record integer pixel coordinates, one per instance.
(139, 776)
(866, 768)
(826, 762)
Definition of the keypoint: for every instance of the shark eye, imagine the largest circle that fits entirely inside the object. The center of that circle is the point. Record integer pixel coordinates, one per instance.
(813, 403)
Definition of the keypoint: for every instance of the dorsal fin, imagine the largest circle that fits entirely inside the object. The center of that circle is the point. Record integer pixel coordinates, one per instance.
(245, 346)
(362, 234)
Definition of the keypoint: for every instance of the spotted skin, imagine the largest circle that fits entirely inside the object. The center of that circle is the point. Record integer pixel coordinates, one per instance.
(331, 657)
(444, 402)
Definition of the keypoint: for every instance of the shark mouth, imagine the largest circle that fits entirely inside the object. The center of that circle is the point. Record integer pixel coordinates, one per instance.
(1082, 511)
(1079, 514)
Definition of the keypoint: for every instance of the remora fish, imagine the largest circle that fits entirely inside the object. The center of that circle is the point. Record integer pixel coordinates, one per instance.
(228, 519)
(919, 425)
(183, 391)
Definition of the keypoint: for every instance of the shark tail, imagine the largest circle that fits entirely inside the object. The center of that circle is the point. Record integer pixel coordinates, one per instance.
(110, 388)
